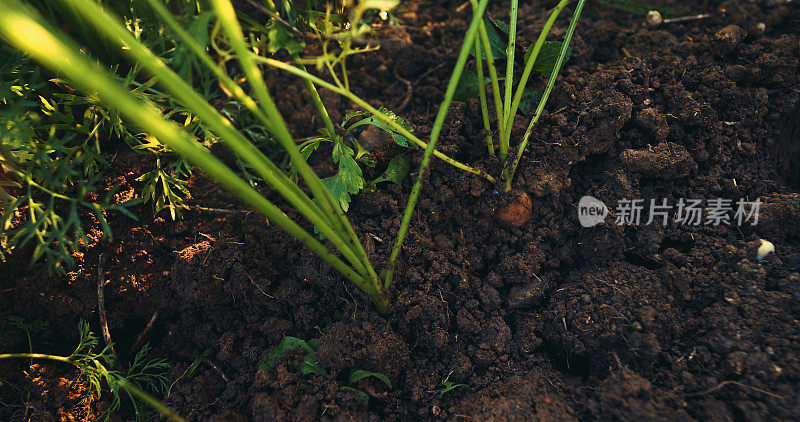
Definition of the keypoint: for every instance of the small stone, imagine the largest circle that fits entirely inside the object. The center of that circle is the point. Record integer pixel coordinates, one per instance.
(765, 249)
(654, 18)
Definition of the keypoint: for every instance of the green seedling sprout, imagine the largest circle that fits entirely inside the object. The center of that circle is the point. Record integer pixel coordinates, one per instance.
(361, 397)
(310, 366)
(446, 386)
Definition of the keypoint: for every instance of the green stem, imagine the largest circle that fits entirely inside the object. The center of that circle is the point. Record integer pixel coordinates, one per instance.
(358, 247)
(62, 359)
(248, 102)
(435, 131)
(338, 219)
(498, 102)
(388, 120)
(226, 17)
(537, 47)
(487, 126)
(332, 71)
(509, 172)
(315, 98)
(508, 84)
(344, 66)
(150, 401)
(263, 164)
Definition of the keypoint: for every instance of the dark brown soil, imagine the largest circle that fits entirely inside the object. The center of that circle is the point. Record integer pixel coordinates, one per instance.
(546, 321)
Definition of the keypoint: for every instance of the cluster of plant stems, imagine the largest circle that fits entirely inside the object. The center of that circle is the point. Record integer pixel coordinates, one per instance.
(506, 105)
(21, 27)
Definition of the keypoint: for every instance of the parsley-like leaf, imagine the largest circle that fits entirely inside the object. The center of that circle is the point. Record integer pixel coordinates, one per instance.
(374, 121)
(349, 180)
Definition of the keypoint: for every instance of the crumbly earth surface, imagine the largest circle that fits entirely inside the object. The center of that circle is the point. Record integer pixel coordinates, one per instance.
(542, 322)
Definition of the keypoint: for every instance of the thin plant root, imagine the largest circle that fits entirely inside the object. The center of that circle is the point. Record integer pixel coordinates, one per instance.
(730, 382)
(101, 305)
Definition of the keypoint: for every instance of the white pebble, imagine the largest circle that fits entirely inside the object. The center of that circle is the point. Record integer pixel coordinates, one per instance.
(654, 18)
(765, 249)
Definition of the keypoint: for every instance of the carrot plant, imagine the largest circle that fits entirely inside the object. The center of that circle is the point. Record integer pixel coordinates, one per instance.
(97, 366)
(334, 37)
(41, 164)
(24, 29)
(392, 124)
(55, 143)
(542, 56)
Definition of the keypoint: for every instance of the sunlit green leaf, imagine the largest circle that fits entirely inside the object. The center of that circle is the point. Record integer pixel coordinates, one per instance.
(372, 120)
(347, 181)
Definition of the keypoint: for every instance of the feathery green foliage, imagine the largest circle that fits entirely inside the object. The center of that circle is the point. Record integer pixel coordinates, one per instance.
(310, 364)
(50, 165)
(99, 369)
(64, 57)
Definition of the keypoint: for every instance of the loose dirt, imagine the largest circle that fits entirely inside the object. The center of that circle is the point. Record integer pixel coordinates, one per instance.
(546, 321)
